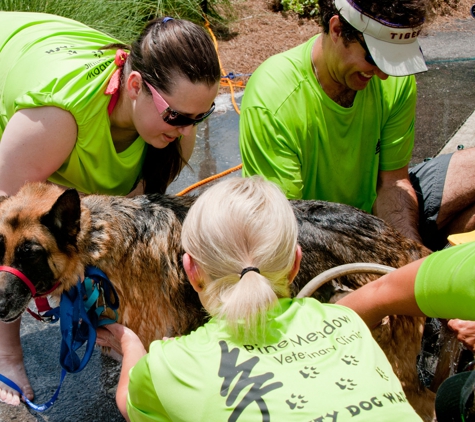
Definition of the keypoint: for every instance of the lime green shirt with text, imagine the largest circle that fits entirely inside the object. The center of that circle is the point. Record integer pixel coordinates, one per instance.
(318, 362)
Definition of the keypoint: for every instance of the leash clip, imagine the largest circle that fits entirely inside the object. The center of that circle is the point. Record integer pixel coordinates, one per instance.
(101, 296)
(47, 320)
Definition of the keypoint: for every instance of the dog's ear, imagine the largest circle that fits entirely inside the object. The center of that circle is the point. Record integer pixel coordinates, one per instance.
(63, 219)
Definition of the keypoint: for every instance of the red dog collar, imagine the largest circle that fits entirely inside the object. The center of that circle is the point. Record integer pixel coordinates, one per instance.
(40, 301)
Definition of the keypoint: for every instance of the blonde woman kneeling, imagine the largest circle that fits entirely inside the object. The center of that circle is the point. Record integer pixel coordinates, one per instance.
(262, 356)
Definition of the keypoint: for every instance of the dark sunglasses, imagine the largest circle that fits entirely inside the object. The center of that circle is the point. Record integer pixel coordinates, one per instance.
(368, 56)
(172, 117)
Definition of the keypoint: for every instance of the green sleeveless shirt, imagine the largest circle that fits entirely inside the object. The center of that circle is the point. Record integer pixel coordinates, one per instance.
(49, 60)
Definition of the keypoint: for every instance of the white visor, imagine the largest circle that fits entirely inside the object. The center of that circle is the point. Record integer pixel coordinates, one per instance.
(394, 48)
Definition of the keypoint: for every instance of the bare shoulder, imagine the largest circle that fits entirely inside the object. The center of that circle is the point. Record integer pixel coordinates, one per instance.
(35, 143)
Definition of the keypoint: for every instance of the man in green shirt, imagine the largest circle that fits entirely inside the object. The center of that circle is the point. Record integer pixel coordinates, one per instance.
(326, 121)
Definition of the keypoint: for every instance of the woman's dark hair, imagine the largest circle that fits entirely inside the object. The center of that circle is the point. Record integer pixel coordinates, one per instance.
(404, 12)
(166, 50)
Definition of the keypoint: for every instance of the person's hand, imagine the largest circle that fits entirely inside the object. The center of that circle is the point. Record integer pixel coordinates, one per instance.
(125, 342)
(465, 331)
(118, 337)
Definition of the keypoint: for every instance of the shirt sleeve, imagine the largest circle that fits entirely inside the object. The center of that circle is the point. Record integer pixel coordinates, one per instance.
(397, 137)
(143, 404)
(266, 149)
(445, 283)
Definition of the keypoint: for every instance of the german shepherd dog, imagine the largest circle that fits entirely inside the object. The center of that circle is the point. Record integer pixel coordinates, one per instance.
(51, 235)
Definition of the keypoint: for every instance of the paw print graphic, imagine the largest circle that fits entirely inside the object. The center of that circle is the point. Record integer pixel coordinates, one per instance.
(296, 401)
(382, 374)
(98, 53)
(350, 360)
(345, 384)
(309, 372)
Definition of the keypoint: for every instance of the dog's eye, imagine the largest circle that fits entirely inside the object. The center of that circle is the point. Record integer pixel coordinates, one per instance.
(30, 250)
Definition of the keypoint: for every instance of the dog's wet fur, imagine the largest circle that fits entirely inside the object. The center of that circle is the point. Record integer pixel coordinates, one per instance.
(51, 235)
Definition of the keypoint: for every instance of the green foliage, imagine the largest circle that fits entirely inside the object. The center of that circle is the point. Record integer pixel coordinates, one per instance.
(124, 19)
(304, 8)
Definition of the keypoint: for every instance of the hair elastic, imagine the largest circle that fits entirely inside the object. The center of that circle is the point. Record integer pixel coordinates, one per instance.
(166, 19)
(114, 82)
(247, 269)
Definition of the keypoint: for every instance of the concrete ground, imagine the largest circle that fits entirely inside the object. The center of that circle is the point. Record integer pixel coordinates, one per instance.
(445, 119)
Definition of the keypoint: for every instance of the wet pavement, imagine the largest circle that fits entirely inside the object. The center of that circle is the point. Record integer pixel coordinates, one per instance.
(445, 119)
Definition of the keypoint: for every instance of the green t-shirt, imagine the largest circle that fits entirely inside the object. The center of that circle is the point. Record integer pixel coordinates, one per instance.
(319, 362)
(445, 283)
(293, 134)
(48, 60)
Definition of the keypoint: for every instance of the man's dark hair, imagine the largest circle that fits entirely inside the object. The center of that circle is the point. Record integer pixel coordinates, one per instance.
(410, 13)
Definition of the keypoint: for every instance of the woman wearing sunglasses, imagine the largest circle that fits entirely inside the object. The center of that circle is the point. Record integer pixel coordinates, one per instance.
(82, 110)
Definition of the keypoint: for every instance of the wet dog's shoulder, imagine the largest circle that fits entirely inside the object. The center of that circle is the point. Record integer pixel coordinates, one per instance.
(146, 204)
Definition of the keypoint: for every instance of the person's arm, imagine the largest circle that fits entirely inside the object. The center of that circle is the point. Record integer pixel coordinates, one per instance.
(138, 190)
(392, 294)
(187, 144)
(126, 343)
(396, 202)
(441, 285)
(35, 143)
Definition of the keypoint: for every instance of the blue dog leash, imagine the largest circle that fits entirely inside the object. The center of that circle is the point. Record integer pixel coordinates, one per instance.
(37, 407)
(79, 319)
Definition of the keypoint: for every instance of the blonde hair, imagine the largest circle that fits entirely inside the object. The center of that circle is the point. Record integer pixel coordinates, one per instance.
(235, 224)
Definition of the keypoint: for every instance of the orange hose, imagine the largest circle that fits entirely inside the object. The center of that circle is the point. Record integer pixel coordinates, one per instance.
(224, 83)
(208, 179)
(227, 81)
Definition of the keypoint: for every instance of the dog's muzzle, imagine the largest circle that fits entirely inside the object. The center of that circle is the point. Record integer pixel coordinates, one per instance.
(22, 277)
(40, 300)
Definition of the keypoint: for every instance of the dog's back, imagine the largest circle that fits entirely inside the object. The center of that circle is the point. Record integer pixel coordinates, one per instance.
(332, 234)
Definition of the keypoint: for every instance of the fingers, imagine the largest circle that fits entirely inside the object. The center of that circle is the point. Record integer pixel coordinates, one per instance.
(465, 331)
(110, 336)
(117, 337)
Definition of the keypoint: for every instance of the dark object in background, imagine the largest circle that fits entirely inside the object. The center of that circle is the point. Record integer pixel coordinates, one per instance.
(454, 400)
